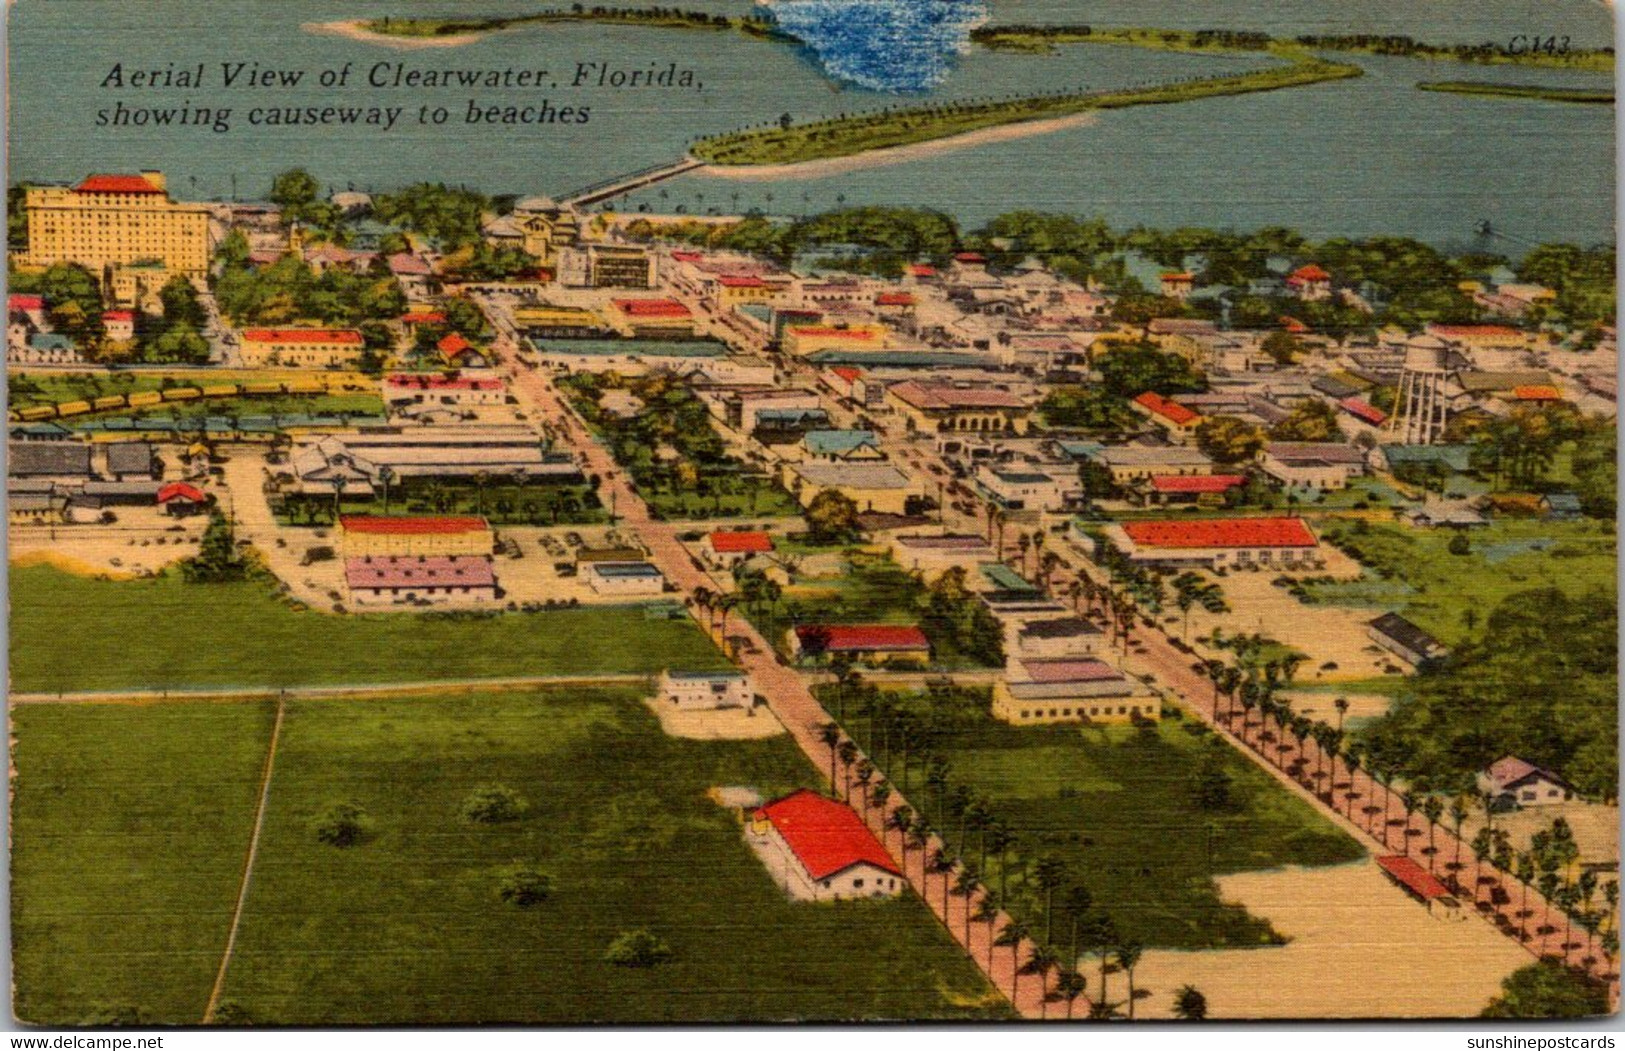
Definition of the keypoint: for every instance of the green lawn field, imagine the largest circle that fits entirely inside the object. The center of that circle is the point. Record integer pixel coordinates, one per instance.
(408, 925)
(1117, 806)
(129, 829)
(72, 633)
(1413, 572)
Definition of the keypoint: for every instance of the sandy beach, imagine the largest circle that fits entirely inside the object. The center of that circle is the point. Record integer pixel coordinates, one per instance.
(356, 29)
(898, 154)
(1360, 948)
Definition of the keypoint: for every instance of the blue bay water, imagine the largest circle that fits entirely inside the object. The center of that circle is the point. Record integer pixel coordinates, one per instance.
(1364, 156)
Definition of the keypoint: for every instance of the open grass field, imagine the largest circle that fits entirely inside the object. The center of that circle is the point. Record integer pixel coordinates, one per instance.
(1413, 572)
(73, 633)
(408, 925)
(1117, 807)
(129, 828)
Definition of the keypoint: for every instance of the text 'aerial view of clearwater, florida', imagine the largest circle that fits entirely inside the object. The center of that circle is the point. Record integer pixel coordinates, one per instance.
(1054, 511)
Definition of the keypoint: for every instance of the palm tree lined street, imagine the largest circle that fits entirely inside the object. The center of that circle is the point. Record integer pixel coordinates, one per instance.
(803, 717)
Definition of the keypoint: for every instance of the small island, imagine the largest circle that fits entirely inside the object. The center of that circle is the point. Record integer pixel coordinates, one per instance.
(656, 18)
(1537, 92)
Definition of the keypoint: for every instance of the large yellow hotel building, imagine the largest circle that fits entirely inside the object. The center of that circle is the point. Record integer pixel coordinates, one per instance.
(122, 228)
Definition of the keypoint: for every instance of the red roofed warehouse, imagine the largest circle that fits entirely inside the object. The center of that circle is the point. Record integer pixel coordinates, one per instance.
(379, 536)
(651, 318)
(1190, 488)
(820, 850)
(869, 643)
(301, 348)
(436, 389)
(1219, 543)
(730, 548)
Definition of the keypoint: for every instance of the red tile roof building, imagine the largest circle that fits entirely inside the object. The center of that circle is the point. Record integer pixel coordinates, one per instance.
(859, 639)
(652, 308)
(1217, 543)
(1363, 411)
(138, 184)
(1166, 411)
(180, 492)
(823, 848)
(1196, 483)
(1416, 881)
(740, 543)
(308, 348)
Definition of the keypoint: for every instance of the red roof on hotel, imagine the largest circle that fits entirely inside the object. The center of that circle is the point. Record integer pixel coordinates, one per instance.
(1196, 483)
(430, 525)
(865, 637)
(1171, 411)
(1364, 410)
(667, 308)
(1413, 876)
(117, 184)
(180, 491)
(827, 837)
(741, 543)
(303, 335)
(1222, 532)
(1312, 272)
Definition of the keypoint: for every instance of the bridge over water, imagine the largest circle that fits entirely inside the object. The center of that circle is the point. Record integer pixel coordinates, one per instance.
(619, 184)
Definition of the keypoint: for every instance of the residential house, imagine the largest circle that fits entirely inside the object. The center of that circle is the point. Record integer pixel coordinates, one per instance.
(694, 691)
(871, 644)
(729, 548)
(819, 849)
(853, 446)
(1516, 783)
(1173, 419)
(1312, 466)
(1026, 490)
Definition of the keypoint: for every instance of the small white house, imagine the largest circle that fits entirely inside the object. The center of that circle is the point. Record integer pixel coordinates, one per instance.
(700, 691)
(1514, 782)
(1023, 490)
(625, 579)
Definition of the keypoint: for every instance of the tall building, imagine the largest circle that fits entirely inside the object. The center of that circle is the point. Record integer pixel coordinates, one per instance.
(122, 228)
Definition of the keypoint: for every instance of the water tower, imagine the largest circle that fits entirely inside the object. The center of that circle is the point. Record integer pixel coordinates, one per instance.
(1420, 413)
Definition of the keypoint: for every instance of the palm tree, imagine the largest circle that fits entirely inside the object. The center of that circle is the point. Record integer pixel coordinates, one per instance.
(1128, 957)
(1432, 809)
(1051, 875)
(966, 887)
(1077, 901)
(942, 863)
(987, 911)
(829, 735)
(1189, 1004)
(1483, 842)
(1040, 961)
(1069, 985)
(863, 775)
(902, 820)
(1458, 817)
(1525, 872)
(848, 752)
(1342, 706)
(1014, 933)
(385, 476)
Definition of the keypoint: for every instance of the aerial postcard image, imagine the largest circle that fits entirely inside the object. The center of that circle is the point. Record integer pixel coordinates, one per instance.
(828, 511)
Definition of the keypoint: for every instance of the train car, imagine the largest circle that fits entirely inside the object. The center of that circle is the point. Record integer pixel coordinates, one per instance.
(182, 394)
(37, 413)
(221, 390)
(262, 388)
(72, 408)
(109, 401)
(306, 387)
(145, 398)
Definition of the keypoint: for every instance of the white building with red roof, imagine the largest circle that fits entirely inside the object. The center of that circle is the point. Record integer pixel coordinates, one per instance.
(731, 547)
(819, 849)
(300, 348)
(1310, 283)
(651, 318)
(1218, 543)
(405, 390)
(1177, 421)
(873, 644)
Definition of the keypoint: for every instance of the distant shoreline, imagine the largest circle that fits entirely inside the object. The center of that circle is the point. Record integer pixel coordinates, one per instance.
(356, 29)
(814, 169)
